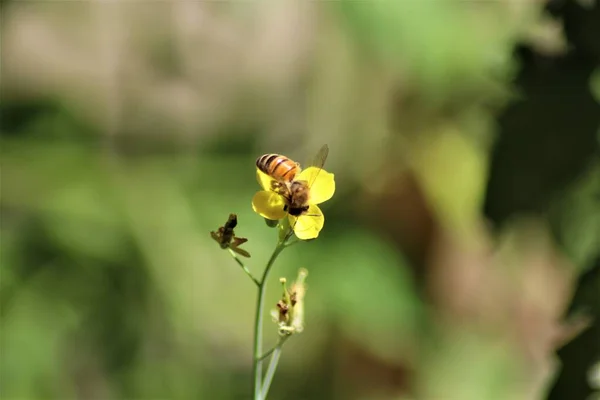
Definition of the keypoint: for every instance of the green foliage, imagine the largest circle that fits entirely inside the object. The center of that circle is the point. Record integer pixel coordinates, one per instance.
(437, 42)
(111, 286)
(576, 218)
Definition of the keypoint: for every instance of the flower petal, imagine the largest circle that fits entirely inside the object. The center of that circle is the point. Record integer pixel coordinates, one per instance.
(263, 179)
(324, 184)
(269, 205)
(309, 225)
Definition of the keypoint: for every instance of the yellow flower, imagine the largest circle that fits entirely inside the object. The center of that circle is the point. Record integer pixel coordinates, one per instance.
(270, 204)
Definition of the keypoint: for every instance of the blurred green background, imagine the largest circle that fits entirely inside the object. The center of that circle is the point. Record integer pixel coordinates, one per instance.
(464, 137)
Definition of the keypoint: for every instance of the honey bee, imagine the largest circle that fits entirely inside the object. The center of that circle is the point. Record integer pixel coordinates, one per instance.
(283, 170)
(278, 167)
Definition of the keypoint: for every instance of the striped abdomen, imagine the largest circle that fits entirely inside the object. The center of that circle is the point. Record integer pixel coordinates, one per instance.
(278, 167)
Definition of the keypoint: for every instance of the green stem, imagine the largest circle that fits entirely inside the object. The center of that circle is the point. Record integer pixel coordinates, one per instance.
(258, 321)
(272, 367)
(279, 343)
(290, 244)
(241, 264)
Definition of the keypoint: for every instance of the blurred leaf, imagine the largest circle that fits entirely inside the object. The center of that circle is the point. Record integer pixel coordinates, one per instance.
(453, 172)
(166, 377)
(84, 219)
(9, 259)
(67, 185)
(34, 329)
(576, 219)
(595, 84)
(467, 366)
(368, 290)
(437, 40)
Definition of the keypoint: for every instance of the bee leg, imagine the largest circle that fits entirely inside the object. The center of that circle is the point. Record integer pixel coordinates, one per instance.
(275, 186)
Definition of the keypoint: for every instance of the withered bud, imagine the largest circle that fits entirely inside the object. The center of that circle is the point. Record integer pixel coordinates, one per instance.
(226, 238)
(289, 314)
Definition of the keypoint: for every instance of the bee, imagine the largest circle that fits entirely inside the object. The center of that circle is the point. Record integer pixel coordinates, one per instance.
(283, 170)
(226, 238)
(278, 167)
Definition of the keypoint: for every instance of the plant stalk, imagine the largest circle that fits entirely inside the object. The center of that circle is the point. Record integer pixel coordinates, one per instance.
(241, 264)
(258, 321)
(270, 351)
(272, 368)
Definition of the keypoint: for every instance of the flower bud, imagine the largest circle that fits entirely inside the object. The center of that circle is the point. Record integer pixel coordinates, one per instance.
(289, 314)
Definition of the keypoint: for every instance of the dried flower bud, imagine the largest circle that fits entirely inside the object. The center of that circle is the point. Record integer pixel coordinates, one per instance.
(289, 314)
(226, 238)
(271, 223)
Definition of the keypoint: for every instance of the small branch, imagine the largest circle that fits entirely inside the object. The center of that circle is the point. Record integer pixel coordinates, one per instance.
(291, 243)
(272, 368)
(262, 286)
(241, 264)
(279, 343)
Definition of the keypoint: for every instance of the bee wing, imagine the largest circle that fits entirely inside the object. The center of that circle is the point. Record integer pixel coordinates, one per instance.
(241, 252)
(320, 158)
(318, 162)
